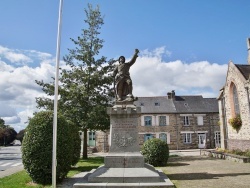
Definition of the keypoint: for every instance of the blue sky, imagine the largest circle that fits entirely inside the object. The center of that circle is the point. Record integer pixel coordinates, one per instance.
(185, 45)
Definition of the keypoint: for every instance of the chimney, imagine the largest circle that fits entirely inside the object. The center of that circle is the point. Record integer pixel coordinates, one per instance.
(169, 95)
(248, 51)
(173, 94)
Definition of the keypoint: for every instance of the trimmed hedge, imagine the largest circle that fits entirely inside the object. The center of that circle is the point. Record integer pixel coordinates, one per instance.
(37, 147)
(156, 152)
(76, 143)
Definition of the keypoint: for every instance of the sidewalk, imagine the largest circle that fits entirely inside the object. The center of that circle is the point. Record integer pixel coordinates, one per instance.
(203, 171)
(191, 170)
(11, 171)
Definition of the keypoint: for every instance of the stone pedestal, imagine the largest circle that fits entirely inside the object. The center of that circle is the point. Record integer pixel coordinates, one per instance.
(124, 165)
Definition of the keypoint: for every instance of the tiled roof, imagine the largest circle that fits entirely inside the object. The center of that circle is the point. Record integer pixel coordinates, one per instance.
(155, 105)
(181, 104)
(195, 104)
(244, 69)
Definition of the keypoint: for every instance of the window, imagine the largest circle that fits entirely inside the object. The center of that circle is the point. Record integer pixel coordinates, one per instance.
(186, 120)
(162, 120)
(147, 137)
(187, 138)
(200, 120)
(141, 104)
(148, 120)
(163, 137)
(91, 135)
(217, 138)
(235, 100)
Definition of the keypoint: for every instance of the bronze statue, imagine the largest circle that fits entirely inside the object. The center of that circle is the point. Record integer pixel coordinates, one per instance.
(123, 82)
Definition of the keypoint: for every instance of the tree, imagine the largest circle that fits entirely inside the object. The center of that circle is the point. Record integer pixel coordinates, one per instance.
(20, 135)
(85, 85)
(2, 123)
(7, 133)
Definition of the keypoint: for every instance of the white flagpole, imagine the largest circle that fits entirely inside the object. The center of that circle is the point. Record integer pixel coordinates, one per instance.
(54, 160)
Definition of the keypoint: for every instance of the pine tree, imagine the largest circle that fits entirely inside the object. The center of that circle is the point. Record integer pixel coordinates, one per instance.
(85, 85)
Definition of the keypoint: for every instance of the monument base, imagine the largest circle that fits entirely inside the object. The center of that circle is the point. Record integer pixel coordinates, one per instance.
(123, 170)
(124, 166)
(125, 177)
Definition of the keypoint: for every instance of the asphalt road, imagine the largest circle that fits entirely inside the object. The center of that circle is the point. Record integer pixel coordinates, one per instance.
(10, 160)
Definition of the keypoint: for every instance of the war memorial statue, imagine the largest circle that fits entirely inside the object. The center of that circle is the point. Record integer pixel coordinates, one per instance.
(123, 82)
(124, 166)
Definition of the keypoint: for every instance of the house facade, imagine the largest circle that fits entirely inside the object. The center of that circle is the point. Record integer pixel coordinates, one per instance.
(184, 122)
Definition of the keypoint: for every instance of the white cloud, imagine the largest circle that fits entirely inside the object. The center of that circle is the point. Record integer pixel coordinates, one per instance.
(19, 90)
(5, 67)
(151, 75)
(12, 120)
(14, 56)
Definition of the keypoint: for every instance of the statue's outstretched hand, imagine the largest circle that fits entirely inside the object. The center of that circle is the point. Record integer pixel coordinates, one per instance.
(136, 51)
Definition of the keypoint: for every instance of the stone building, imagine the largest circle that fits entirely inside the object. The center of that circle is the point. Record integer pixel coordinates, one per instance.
(184, 122)
(234, 101)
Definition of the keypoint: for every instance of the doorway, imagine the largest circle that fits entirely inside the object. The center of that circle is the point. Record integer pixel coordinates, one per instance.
(202, 140)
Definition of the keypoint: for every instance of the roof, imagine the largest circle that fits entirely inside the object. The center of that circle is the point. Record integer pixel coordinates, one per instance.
(181, 104)
(196, 104)
(155, 105)
(244, 69)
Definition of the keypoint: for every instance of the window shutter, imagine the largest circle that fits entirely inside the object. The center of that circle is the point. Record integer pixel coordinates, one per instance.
(200, 120)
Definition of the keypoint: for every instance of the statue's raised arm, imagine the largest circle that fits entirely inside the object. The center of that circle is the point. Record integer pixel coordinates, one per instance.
(132, 61)
(123, 82)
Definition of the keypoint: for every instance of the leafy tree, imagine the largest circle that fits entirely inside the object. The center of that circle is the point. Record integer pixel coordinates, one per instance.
(2, 123)
(20, 135)
(7, 133)
(85, 83)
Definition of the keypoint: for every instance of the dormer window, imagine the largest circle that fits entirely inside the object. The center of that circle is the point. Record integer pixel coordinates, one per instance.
(157, 104)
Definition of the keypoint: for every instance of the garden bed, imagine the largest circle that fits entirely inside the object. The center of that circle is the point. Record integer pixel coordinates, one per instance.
(226, 156)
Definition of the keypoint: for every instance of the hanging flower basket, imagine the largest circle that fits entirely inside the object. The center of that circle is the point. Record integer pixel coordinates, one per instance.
(235, 122)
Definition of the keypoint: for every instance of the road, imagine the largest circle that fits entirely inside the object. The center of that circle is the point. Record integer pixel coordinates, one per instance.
(10, 160)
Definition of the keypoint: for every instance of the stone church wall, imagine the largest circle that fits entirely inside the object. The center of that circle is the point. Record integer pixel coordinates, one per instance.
(237, 139)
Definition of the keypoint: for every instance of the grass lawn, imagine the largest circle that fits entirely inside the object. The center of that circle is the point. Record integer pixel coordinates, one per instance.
(22, 179)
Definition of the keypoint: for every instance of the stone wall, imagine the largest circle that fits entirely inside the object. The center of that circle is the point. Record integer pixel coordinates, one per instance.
(238, 144)
(102, 143)
(235, 138)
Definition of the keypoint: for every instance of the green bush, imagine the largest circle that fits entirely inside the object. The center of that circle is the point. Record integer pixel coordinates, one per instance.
(156, 152)
(76, 143)
(247, 153)
(38, 144)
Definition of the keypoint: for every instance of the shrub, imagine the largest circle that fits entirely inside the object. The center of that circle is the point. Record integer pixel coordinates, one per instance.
(37, 148)
(76, 143)
(237, 152)
(247, 153)
(156, 152)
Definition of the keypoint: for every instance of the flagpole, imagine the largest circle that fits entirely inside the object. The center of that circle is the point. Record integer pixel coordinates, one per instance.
(54, 159)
